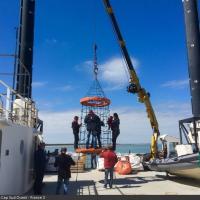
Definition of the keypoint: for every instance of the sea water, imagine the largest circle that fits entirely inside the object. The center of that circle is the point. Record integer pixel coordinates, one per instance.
(120, 148)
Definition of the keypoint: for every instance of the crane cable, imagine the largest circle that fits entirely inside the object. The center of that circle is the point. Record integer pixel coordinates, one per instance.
(125, 65)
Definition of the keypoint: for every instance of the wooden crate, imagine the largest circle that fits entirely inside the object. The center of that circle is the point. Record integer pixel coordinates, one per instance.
(78, 167)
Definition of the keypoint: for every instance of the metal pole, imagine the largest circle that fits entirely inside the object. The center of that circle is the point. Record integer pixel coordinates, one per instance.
(25, 50)
(193, 48)
(180, 131)
(15, 66)
(15, 60)
(7, 103)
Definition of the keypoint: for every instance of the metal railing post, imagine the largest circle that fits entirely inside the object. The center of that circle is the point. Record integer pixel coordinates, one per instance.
(7, 103)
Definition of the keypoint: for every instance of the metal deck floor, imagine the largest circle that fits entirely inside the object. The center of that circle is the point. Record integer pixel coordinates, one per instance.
(142, 183)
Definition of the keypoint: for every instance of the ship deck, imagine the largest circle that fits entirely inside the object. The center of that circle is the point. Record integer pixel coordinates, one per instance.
(142, 183)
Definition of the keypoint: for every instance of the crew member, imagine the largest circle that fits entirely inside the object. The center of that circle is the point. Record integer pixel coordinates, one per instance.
(91, 120)
(110, 159)
(40, 164)
(76, 127)
(115, 129)
(63, 162)
(98, 130)
(110, 119)
(93, 160)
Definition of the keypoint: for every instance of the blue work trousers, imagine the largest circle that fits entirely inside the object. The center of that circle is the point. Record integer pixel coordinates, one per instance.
(109, 171)
(94, 139)
(65, 182)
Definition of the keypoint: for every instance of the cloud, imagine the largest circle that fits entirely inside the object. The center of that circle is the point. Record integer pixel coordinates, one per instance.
(86, 66)
(57, 126)
(65, 88)
(114, 72)
(51, 41)
(113, 88)
(39, 84)
(134, 124)
(176, 84)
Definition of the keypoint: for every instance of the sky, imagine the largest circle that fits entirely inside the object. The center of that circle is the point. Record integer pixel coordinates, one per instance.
(65, 32)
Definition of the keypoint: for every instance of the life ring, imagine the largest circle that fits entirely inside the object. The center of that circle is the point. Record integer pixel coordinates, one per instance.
(95, 101)
(123, 167)
(89, 150)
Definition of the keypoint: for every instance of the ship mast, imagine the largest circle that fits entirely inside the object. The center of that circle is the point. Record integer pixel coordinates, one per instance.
(193, 51)
(25, 49)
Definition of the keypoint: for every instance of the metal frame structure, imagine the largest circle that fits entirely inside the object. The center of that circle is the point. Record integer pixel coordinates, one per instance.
(183, 130)
(193, 49)
(102, 111)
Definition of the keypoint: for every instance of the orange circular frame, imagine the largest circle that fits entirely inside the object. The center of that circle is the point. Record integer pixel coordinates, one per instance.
(95, 101)
(90, 150)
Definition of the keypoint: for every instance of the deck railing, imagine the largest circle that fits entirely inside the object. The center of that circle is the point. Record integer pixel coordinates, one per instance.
(15, 108)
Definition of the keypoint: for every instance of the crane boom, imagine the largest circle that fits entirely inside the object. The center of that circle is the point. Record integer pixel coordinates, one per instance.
(135, 86)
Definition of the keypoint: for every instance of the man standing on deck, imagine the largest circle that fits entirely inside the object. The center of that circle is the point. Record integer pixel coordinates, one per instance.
(75, 127)
(110, 159)
(40, 164)
(91, 120)
(93, 161)
(115, 129)
(63, 162)
(98, 130)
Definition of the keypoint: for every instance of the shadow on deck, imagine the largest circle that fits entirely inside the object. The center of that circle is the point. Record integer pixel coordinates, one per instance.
(95, 187)
(75, 188)
(181, 180)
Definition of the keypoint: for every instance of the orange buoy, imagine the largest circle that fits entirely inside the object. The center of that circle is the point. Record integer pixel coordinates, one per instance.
(123, 167)
(89, 150)
(95, 101)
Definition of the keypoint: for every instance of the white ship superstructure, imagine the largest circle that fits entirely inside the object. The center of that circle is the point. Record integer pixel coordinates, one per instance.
(20, 132)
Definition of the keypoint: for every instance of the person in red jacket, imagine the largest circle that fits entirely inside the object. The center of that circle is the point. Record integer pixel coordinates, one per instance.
(110, 159)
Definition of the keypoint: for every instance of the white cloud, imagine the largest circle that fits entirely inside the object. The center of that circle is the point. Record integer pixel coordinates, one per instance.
(57, 126)
(176, 84)
(86, 66)
(51, 41)
(65, 88)
(134, 126)
(113, 88)
(114, 72)
(39, 84)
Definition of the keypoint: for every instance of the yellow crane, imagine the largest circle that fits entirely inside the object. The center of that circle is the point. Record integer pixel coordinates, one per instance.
(135, 86)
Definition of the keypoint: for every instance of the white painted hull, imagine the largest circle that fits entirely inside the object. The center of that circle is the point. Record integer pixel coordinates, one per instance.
(16, 159)
(183, 166)
(189, 173)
